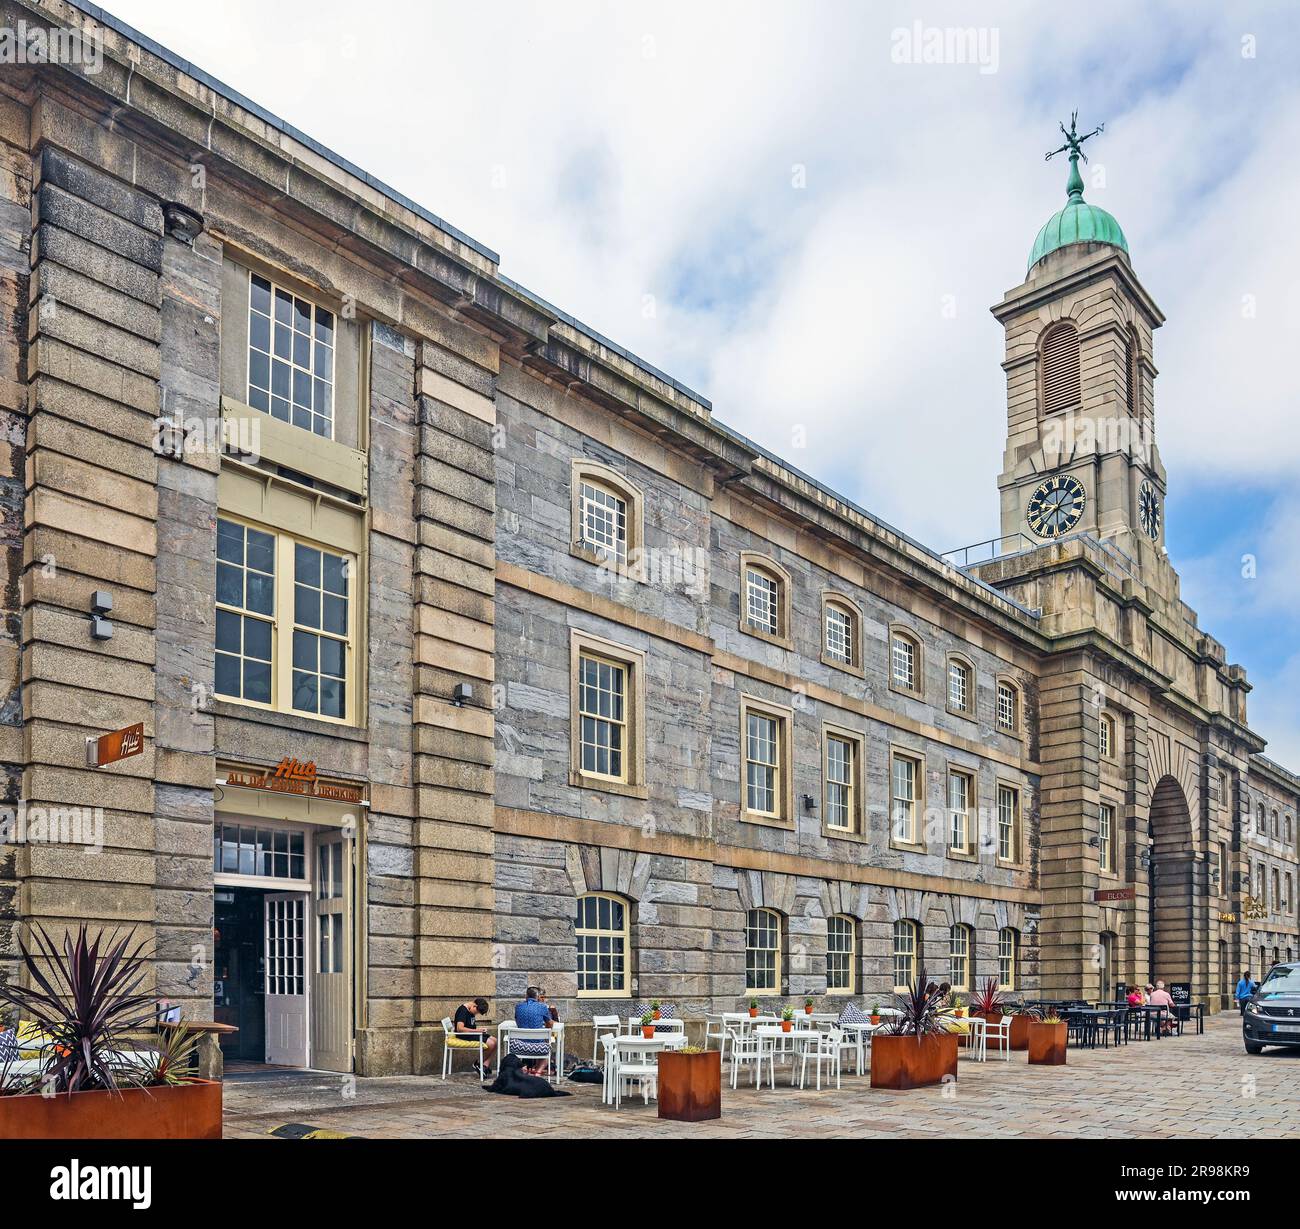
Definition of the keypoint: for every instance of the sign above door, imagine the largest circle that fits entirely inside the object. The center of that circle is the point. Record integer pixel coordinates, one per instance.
(291, 776)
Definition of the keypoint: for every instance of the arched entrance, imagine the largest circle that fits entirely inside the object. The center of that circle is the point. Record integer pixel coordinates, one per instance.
(1172, 885)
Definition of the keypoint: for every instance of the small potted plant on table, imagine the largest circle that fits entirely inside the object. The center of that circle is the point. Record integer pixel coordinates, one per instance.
(875, 1015)
(753, 1007)
(918, 1049)
(648, 1026)
(787, 1019)
(808, 1006)
(690, 1084)
(654, 1009)
(1047, 1038)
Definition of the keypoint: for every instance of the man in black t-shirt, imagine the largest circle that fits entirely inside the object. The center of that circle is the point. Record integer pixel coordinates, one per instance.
(464, 1029)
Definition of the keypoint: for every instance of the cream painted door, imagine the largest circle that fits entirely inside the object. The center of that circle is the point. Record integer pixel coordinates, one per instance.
(284, 929)
(331, 992)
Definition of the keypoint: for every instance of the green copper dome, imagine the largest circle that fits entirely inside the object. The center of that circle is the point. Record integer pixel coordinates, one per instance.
(1078, 222)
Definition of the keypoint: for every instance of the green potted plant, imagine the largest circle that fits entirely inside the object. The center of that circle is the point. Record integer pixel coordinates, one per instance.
(808, 1005)
(654, 1008)
(1047, 1040)
(875, 1014)
(690, 1084)
(93, 1079)
(648, 1025)
(753, 1007)
(917, 1049)
(957, 1005)
(787, 1019)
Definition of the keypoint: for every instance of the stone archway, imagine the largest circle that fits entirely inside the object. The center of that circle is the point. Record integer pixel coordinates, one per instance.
(1172, 885)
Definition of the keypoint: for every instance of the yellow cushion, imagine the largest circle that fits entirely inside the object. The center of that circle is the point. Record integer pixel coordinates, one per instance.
(31, 1033)
(457, 1044)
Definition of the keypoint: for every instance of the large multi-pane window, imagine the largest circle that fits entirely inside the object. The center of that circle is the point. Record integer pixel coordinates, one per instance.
(903, 661)
(906, 943)
(839, 634)
(602, 717)
(959, 805)
(959, 686)
(1008, 707)
(762, 951)
(959, 957)
(245, 611)
(290, 357)
(904, 775)
(1106, 835)
(320, 631)
(267, 853)
(762, 764)
(603, 520)
(1008, 958)
(762, 601)
(264, 657)
(841, 770)
(841, 955)
(600, 931)
(1008, 823)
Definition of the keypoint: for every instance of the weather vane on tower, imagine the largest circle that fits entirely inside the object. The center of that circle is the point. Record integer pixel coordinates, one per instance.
(1074, 143)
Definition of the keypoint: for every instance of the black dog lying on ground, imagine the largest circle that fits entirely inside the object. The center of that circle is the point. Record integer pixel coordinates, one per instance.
(514, 1081)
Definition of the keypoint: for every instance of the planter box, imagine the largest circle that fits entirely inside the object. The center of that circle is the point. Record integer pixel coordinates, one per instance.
(185, 1111)
(690, 1086)
(909, 1062)
(1047, 1044)
(1020, 1032)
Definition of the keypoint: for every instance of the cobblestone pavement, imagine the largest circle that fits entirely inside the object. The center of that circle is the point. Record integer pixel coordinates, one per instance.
(1198, 1086)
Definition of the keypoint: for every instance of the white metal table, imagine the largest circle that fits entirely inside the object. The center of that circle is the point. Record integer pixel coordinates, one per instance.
(768, 1035)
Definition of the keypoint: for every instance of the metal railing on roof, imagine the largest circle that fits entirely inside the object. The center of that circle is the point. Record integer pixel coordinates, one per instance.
(1116, 561)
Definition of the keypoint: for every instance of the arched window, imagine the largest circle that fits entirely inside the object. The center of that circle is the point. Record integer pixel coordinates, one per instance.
(961, 686)
(1059, 363)
(1008, 958)
(907, 941)
(600, 931)
(1286, 830)
(762, 951)
(1276, 830)
(1008, 707)
(1277, 891)
(841, 955)
(1107, 737)
(764, 597)
(1260, 825)
(606, 515)
(959, 949)
(840, 633)
(1133, 373)
(904, 661)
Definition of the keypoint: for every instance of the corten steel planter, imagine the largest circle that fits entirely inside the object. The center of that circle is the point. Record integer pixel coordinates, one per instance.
(690, 1086)
(1020, 1032)
(909, 1062)
(181, 1111)
(1047, 1043)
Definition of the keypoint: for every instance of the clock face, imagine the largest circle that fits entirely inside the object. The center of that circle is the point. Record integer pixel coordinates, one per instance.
(1056, 506)
(1149, 511)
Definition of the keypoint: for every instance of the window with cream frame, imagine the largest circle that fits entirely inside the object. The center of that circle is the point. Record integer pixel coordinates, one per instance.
(959, 956)
(841, 633)
(841, 955)
(1106, 838)
(286, 622)
(1106, 737)
(961, 686)
(601, 937)
(1008, 823)
(766, 780)
(1008, 958)
(291, 347)
(961, 801)
(906, 945)
(764, 598)
(608, 711)
(842, 779)
(1008, 707)
(762, 951)
(906, 788)
(607, 517)
(905, 664)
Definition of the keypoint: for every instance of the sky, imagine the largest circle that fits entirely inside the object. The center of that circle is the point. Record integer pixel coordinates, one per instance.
(769, 202)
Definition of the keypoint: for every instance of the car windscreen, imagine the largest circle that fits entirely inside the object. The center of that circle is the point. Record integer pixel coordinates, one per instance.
(1282, 981)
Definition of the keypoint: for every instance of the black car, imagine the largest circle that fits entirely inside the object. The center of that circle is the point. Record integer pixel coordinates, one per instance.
(1272, 1015)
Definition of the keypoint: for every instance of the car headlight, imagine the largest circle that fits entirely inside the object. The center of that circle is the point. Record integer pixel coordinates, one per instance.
(1254, 1009)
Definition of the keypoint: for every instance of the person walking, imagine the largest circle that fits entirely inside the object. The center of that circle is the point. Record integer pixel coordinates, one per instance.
(1245, 988)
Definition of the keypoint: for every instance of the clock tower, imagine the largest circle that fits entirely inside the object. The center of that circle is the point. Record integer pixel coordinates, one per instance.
(1081, 456)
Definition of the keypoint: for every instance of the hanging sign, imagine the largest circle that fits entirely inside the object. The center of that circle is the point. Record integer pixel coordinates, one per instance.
(119, 745)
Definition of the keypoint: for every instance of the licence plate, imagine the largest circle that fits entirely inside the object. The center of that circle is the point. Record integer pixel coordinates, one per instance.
(1286, 1028)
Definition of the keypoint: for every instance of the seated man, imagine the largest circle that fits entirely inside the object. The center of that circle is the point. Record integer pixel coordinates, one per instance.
(532, 1013)
(465, 1030)
(1159, 997)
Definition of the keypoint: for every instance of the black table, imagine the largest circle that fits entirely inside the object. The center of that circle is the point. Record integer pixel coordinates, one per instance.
(1186, 1012)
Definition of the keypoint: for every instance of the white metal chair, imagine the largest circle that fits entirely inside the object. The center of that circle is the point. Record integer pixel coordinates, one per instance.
(451, 1042)
(598, 1023)
(527, 1043)
(977, 1038)
(634, 1059)
(824, 1047)
(999, 1033)
(745, 1047)
(715, 1029)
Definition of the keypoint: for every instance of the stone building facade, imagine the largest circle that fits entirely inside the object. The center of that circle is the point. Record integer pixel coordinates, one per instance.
(472, 652)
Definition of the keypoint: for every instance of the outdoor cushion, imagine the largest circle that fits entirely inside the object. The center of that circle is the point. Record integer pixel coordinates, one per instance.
(8, 1046)
(530, 1049)
(852, 1015)
(667, 1011)
(31, 1039)
(457, 1044)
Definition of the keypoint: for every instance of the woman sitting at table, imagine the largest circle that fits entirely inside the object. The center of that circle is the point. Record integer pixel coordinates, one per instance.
(1136, 998)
